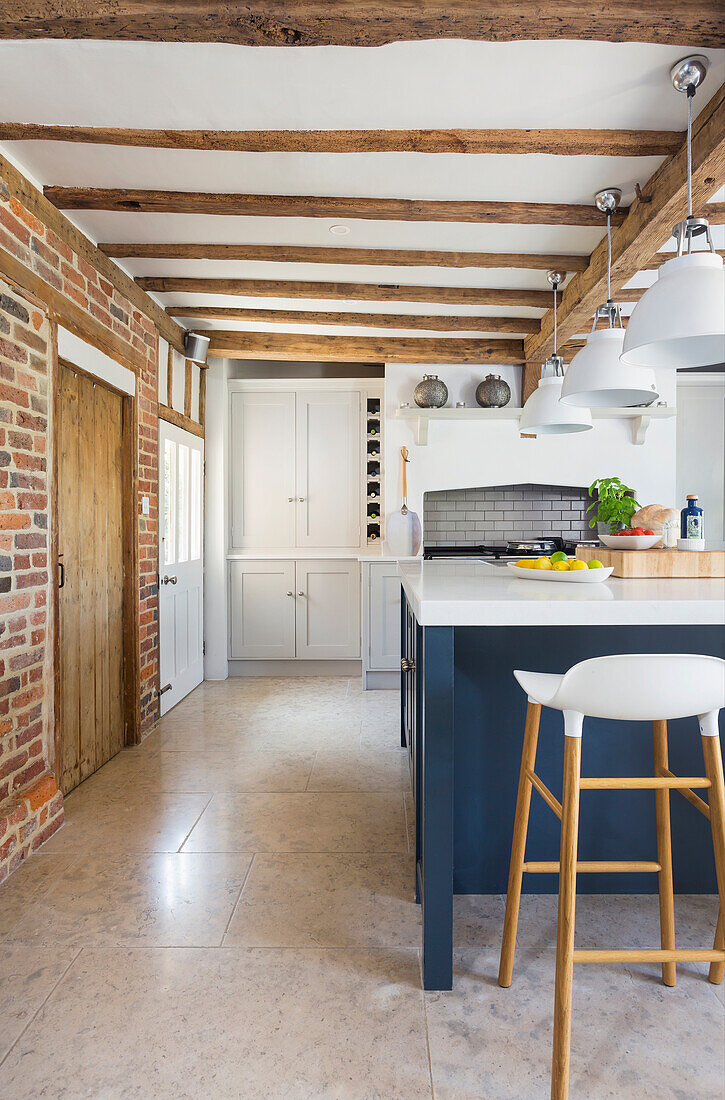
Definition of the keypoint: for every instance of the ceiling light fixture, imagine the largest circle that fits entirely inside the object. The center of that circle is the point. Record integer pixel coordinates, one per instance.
(596, 378)
(196, 347)
(679, 322)
(543, 413)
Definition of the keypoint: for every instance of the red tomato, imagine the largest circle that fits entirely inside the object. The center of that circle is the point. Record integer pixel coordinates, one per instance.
(638, 530)
(649, 532)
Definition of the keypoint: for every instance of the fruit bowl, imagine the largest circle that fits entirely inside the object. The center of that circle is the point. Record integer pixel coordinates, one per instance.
(630, 542)
(579, 576)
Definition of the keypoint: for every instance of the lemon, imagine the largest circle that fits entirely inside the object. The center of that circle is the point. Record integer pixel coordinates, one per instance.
(576, 564)
(595, 564)
(525, 564)
(558, 556)
(542, 563)
(560, 565)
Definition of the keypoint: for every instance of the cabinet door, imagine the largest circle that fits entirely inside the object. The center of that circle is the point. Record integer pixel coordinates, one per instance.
(328, 469)
(384, 611)
(262, 611)
(262, 470)
(328, 609)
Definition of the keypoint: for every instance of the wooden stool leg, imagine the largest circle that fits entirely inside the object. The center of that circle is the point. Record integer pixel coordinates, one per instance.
(664, 853)
(714, 772)
(518, 845)
(565, 929)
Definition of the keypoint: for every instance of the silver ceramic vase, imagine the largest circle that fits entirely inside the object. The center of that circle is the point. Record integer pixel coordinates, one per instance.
(493, 392)
(431, 393)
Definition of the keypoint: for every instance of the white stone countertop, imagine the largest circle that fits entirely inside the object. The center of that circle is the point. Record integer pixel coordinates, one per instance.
(473, 593)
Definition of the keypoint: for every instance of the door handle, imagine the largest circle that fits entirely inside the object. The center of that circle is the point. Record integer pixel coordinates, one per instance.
(169, 580)
(406, 664)
(61, 582)
(163, 690)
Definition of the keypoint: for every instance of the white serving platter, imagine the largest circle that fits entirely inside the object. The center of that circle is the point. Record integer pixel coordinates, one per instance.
(578, 576)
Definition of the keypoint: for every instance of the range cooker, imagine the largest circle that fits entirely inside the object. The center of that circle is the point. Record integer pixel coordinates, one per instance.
(500, 553)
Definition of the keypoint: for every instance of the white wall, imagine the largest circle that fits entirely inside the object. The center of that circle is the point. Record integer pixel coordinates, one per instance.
(215, 522)
(701, 448)
(468, 454)
(95, 362)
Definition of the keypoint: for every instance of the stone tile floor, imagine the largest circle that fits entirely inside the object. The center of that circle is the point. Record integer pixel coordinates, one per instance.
(229, 913)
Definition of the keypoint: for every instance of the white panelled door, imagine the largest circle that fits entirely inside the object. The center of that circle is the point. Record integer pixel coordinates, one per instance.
(181, 463)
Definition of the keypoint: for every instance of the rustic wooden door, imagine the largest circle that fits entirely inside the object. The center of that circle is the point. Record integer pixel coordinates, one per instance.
(90, 498)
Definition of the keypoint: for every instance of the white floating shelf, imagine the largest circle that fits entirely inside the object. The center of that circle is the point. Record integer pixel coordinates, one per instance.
(421, 418)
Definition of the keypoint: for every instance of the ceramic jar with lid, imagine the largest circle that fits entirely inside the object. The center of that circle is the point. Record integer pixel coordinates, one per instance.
(431, 393)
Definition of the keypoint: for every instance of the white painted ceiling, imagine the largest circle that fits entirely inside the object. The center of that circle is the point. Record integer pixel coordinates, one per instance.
(404, 85)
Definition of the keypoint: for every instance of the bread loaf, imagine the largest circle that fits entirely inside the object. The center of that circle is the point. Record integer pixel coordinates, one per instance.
(661, 521)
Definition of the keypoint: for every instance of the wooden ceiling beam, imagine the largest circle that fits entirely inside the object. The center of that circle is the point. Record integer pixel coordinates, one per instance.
(363, 349)
(321, 206)
(646, 228)
(433, 322)
(660, 257)
(363, 292)
(367, 22)
(371, 257)
(34, 201)
(566, 143)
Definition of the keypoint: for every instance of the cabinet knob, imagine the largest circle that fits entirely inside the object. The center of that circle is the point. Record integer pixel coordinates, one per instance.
(407, 665)
(291, 594)
(300, 593)
(301, 500)
(290, 499)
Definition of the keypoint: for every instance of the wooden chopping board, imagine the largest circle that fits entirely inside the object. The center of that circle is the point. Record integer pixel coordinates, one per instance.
(657, 563)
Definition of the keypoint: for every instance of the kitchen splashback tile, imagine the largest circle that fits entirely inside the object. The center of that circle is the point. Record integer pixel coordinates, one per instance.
(504, 512)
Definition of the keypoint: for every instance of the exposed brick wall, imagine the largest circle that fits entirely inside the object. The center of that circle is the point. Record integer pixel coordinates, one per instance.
(30, 808)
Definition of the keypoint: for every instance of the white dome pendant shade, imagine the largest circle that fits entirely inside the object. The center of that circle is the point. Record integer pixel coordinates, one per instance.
(596, 379)
(544, 414)
(680, 321)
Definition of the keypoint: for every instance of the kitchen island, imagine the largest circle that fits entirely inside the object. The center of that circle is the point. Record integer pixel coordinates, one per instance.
(466, 626)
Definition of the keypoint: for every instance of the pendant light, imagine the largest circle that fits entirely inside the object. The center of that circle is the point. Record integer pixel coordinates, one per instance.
(543, 413)
(679, 322)
(596, 378)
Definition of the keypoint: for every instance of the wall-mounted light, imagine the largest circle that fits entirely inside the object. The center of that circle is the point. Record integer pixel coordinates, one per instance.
(196, 347)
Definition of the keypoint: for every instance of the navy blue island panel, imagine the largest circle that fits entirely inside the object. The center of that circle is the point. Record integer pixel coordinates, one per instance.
(463, 721)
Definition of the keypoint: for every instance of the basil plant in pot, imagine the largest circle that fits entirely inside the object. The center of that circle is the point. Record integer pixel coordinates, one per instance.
(613, 505)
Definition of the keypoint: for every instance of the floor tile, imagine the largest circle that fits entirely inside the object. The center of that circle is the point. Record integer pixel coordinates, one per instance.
(266, 733)
(142, 900)
(130, 821)
(360, 771)
(207, 771)
(327, 901)
(27, 977)
(168, 1023)
(301, 823)
(31, 881)
(633, 1038)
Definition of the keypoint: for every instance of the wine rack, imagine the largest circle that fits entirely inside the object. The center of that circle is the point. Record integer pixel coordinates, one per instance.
(374, 453)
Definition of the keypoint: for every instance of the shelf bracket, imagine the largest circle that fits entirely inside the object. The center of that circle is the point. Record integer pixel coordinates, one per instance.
(640, 424)
(420, 430)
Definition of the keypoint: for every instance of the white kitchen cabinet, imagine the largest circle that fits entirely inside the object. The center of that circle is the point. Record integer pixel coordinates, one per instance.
(328, 609)
(328, 469)
(282, 609)
(381, 618)
(262, 609)
(262, 469)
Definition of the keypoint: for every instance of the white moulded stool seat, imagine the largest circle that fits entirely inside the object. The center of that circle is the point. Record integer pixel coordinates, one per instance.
(626, 687)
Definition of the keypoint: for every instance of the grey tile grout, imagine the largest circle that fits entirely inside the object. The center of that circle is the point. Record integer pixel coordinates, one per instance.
(41, 1006)
(238, 898)
(196, 822)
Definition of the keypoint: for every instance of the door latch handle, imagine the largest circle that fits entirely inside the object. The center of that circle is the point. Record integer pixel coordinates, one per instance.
(61, 582)
(169, 580)
(407, 665)
(163, 690)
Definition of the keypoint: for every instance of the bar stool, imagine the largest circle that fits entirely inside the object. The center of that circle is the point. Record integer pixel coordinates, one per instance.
(626, 687)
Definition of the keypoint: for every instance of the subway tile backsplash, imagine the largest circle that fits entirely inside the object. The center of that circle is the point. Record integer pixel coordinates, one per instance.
(501, 512)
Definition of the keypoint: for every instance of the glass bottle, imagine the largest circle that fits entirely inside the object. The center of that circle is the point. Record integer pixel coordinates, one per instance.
(692, 520)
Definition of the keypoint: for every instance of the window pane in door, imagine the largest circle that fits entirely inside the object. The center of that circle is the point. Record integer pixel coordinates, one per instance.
(183, 517)
(169, 536)
(195, 505)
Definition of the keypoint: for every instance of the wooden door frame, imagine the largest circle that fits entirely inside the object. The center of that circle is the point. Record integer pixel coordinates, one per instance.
(129, 534)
